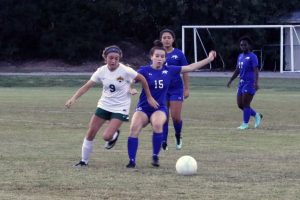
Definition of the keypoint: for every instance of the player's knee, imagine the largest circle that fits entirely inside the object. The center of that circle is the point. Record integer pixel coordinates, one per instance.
(157, 127)
(106, 137)
(134, 130)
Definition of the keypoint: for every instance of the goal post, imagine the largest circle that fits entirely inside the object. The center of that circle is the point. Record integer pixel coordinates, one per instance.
(288, 42)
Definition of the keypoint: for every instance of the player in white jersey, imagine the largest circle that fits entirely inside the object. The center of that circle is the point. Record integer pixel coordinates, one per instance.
(114, 103)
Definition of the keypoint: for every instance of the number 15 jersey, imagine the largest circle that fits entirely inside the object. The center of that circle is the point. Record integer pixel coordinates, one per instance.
(159, 81)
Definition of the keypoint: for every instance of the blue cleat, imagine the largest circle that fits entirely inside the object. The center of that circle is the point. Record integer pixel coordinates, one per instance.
(243, 126)
(258, 118)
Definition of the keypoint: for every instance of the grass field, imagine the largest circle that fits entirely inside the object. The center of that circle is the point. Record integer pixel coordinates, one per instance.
(40, 141)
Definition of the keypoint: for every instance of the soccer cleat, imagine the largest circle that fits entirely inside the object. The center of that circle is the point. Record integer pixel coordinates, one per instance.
(164, 146)
(155, 161)
(178, 142)
(131, 164)
(81, 164)
(258, 118)
(110, 144)
(243, 126)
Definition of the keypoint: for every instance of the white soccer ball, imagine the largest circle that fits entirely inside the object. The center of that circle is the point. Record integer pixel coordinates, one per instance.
(186, 165)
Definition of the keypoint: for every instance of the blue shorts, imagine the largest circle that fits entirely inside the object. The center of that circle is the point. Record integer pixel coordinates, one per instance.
(246, 88)
(149, 110)
(175, 94)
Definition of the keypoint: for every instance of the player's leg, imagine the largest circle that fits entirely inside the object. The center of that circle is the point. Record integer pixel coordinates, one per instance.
(246, 101)
(157, 120)
(164, 144)
(175, 110)
(138, 121)
(87, 146)
(239, 101)
(112, 132)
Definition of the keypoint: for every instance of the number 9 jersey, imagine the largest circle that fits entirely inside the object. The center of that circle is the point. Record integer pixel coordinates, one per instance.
(116, 84)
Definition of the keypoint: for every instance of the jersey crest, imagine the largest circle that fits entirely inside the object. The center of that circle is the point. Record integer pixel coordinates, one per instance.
(174, 57)
(120, 79)
(164, 72)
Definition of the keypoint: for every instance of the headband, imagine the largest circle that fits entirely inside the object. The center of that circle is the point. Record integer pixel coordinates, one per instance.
(113, 50)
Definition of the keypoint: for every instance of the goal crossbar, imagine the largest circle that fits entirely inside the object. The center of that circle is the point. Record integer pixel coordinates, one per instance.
(281, 27)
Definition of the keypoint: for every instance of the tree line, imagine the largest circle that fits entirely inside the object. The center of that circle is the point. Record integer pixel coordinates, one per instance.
(76, 30)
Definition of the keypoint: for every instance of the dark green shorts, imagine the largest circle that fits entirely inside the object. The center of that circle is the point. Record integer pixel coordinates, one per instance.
(104, 114)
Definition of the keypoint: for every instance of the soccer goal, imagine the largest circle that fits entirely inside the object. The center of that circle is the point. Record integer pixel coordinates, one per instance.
(278, 46)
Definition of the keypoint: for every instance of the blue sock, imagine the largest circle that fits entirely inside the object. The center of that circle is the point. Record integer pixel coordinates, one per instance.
(132, 146)
(178, 128)
(165, 131)
(156, 143)
(253, 112)
(246, 114)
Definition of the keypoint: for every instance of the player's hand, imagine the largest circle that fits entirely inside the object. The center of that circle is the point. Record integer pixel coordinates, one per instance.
(186, 93)
(70, 102)
(212, 55)
(228, 84)
(152, 102)
(133, 91)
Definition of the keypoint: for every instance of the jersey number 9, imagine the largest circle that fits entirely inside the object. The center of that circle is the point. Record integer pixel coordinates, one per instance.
(112, 88)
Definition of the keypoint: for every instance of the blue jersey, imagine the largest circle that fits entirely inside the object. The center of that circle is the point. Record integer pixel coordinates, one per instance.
(159, 82)
(246, 63)
(177, 58)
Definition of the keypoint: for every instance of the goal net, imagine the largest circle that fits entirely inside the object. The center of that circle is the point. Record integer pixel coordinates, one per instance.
(277, 46)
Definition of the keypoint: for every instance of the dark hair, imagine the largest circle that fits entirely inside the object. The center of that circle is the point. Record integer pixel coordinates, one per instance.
(246, 38)
(158, 45)
(166, 30)
(112, 49)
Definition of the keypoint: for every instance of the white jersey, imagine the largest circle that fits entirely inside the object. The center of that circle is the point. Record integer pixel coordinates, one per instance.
(116, 84)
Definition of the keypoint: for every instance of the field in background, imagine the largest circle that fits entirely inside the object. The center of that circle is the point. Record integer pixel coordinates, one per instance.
(40, 141)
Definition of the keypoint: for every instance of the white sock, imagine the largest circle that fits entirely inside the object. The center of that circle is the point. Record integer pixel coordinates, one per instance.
(87, 148)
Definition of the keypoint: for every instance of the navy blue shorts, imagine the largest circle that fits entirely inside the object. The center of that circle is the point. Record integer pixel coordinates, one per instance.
(246, 88)
(149, 110)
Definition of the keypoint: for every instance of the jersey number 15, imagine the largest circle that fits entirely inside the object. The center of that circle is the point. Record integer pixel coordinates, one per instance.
(159, 84)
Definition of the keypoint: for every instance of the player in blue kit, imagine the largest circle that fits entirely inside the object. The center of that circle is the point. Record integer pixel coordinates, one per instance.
(178, 90)
(247, 69)
(159, 77)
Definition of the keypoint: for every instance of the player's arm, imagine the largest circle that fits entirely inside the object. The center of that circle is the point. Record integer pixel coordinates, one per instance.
(256, 72)
(79, 93)
(152, 102)
(186, 80)
(132, 90)
(200, 64)
(234, 75)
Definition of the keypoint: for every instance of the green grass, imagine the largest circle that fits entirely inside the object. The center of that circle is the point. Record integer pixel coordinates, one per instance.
(40, 141)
